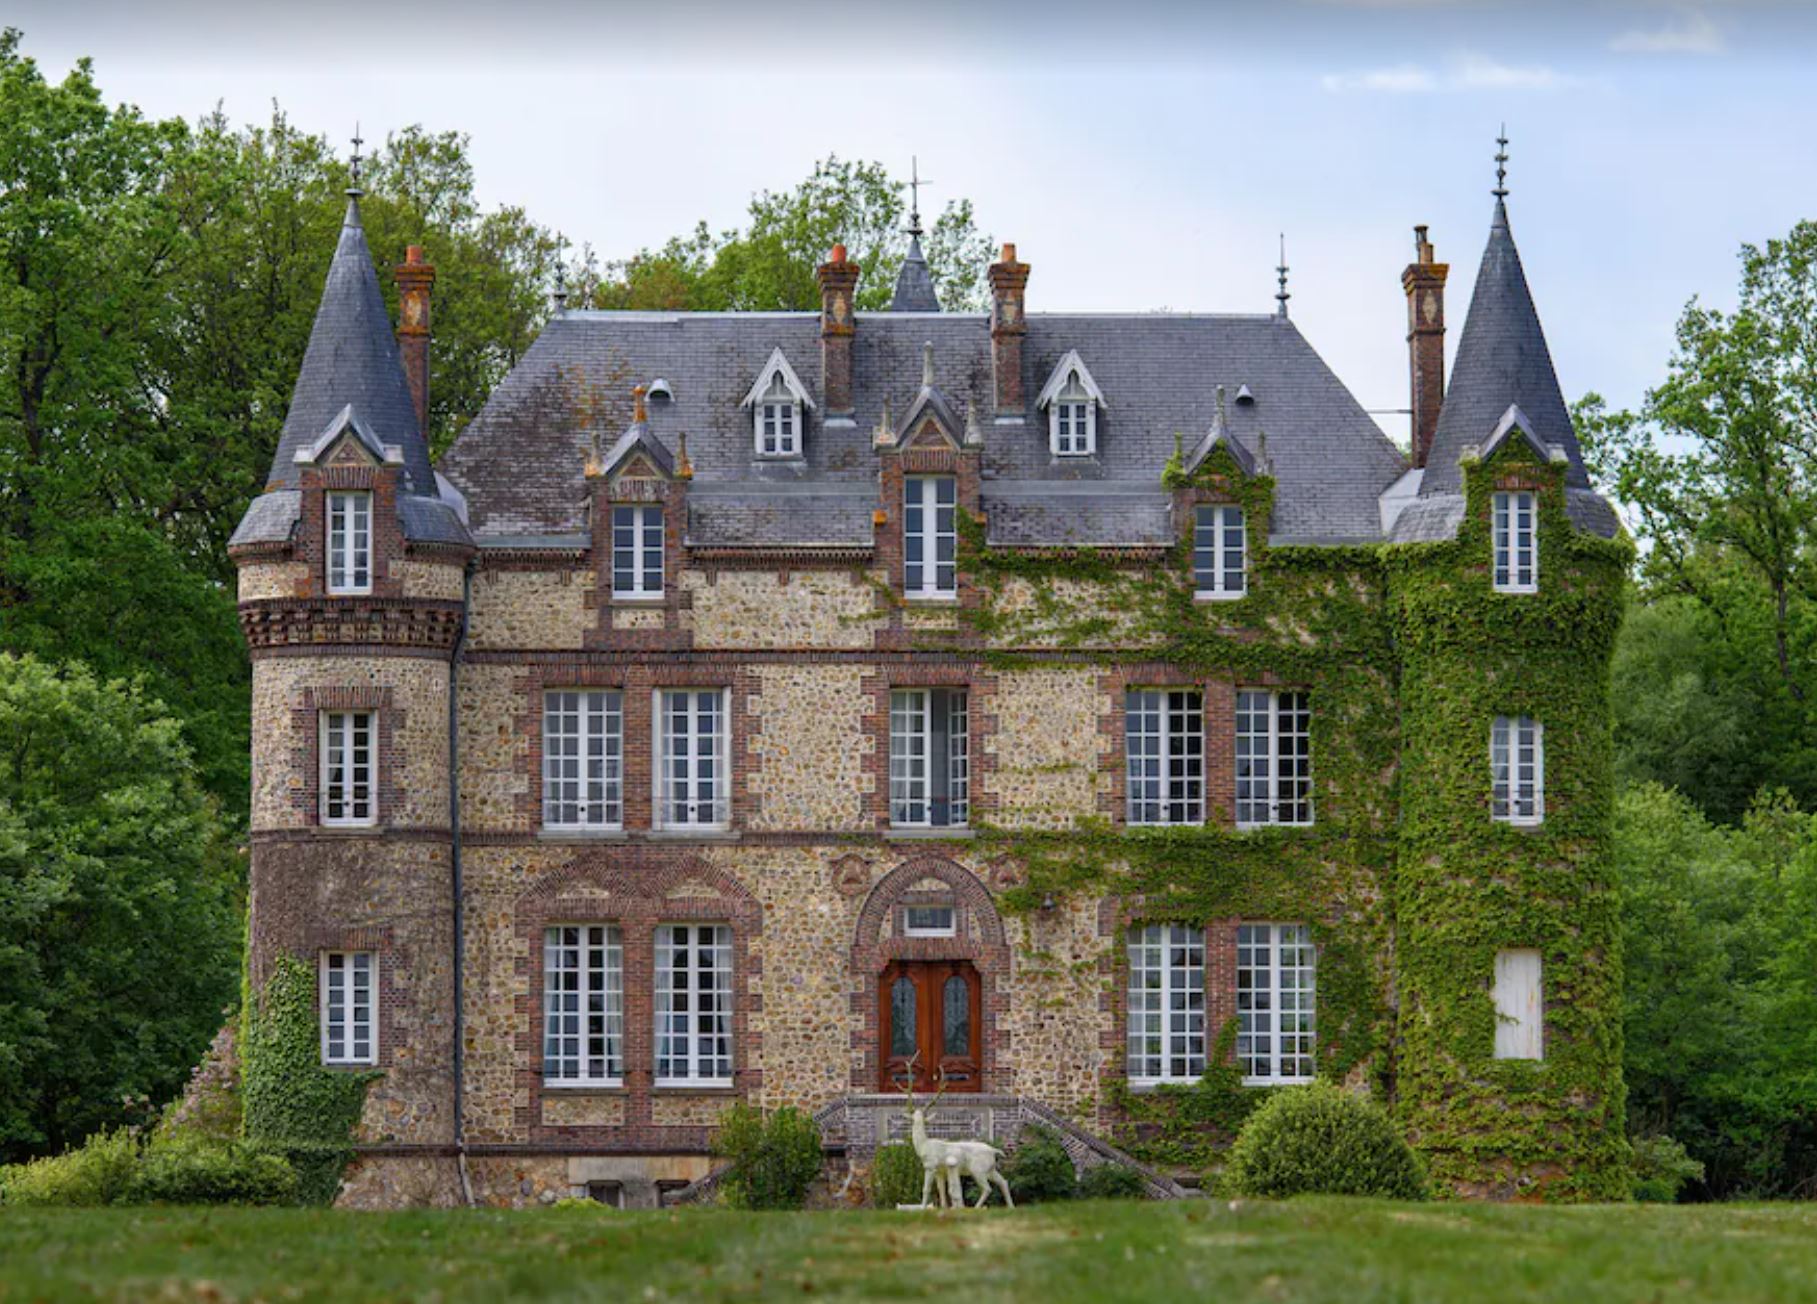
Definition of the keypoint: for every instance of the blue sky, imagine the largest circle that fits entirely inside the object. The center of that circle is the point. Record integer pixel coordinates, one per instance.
(1141, 155)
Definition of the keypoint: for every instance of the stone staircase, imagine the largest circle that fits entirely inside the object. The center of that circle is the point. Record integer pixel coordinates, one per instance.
(856, 1126)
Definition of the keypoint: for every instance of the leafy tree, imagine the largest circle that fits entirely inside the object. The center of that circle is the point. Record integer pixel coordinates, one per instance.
(1719, 469)
(769, 265)
(119, 917)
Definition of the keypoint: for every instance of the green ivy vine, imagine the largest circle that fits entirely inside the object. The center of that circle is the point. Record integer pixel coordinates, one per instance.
(292, 1103)
(1407, 654)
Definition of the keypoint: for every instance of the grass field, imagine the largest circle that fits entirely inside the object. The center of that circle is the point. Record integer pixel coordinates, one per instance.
(1349, 1251)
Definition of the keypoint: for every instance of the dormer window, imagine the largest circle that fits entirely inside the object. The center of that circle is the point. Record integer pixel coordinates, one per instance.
(1072, 399)
(778, 421)
(1515, 543)
(349, 542)
(777, 400)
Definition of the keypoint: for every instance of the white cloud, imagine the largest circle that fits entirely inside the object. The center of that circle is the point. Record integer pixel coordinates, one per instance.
(1690, 33)
(1464, 71)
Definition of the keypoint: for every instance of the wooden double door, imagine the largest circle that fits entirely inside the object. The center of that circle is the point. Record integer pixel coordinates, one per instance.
(931, 1015)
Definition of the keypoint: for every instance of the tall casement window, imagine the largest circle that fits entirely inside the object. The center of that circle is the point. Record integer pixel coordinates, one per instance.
(583, 759)
(1516, 543)
(694, 1005)
(637, 552)
(1517, 764)
(347, 768)
(1073, 421)
(1274, 758)
(778, 418)
(1166, 1003)
(929, 764)
(692, 777)
(1276, 995)
(1164, 742)
(349, 542)
(930, 541)
(583, 1006)
(348, 1033)
(1219, 553)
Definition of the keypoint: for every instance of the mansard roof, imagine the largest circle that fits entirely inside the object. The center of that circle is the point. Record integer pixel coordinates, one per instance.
(1502, 361)
(521, 460)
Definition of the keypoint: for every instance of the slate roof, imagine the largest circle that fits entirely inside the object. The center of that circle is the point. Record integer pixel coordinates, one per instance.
(1502, 359)
(914, 283)
(520, 462)
(352, 377)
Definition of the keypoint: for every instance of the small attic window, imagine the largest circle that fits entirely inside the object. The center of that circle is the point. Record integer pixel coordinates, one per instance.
(778, 421)
(1244, 396)
(1072, 399)
(659, 389)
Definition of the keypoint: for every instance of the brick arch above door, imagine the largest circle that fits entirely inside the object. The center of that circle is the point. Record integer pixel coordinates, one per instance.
(877, 943)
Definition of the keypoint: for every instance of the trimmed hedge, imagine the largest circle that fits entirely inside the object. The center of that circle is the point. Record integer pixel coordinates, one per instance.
(1319, 1140)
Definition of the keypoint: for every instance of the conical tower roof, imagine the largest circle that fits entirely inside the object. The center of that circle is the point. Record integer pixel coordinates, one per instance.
(1502, 361)
(914, 283)
(353, 361)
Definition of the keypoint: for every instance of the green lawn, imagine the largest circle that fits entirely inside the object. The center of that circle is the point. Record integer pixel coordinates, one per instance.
(1339, 1250)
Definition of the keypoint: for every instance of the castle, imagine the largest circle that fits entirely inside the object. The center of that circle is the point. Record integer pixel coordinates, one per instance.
(794, 707)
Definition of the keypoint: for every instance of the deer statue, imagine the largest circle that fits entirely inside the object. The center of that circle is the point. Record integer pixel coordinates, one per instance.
(944, 1163)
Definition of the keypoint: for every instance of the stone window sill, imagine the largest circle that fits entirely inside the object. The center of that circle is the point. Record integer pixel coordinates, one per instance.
(929, 834)
(689, 1089)
(586, 1089)
(581, 835)
(692, 835)
(348, 830)
(638, 599)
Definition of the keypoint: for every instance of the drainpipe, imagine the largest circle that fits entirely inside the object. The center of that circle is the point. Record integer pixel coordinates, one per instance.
(460, 913)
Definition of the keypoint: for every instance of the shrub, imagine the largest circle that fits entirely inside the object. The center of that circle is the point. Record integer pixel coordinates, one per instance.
(774, 1159)
(1319, 1140)
(1112, 1182)
(896, 1176)
(1661, 1169)
(195, 1170)
(99, 1171)
(1039, 1169)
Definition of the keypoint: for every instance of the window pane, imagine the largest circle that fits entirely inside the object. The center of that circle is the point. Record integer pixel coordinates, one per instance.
(1276, 999)
(957, 1016)
(902, 1018)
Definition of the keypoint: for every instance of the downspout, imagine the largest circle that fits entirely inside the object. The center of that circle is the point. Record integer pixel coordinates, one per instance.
(460, 912)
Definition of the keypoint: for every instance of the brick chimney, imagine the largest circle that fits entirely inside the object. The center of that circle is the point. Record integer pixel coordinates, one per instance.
(414, 280)
(838, 278)
(1009, 283)
(1424, 281)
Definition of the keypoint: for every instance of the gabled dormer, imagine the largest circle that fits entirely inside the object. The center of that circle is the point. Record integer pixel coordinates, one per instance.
(777, 400)
(1072, 400)
(639, 505)
(931, 421)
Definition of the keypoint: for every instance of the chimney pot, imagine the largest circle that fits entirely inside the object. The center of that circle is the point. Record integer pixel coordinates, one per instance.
(1009, 252)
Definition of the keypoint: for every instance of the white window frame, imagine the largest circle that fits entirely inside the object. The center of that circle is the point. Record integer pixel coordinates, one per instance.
(349, 530)
(583, 1003)
(1265, 986)
(913, 762)
(679, 805)
(1213, 555)
(948, 929)
(583, 759)
(1274, 758)
(637, 551)
(338, 745)
(1517, 771)
(1072, 420)
(1514, 539)
(1164, 1025)
(776, 420)
(922, 578)
(1165, 781)
(341, 992)
(708, 1009)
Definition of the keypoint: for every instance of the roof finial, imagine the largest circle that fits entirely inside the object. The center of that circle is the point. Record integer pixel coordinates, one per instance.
(915, 184)
(561, 274)
(927, 365)
(353, 187)
(638, 413)
(1501, 165)
(1281, 296)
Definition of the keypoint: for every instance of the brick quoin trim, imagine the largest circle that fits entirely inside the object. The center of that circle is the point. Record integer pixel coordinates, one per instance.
(875, 946)
(1116, 916)
(387, 533)
(635, 888)
(981, 726)
(388, 757)
(637, 685)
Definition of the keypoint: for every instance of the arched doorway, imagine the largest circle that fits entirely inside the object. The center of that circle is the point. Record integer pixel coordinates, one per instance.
(931, 1017)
